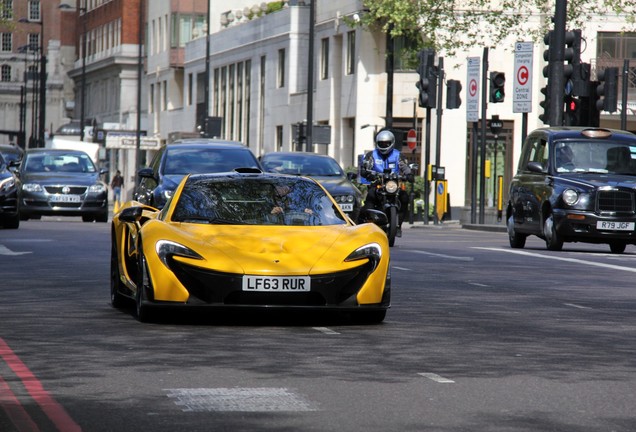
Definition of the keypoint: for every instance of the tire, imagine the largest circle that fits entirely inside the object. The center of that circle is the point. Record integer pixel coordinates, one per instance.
(117, 300)
(102, 217)
(88, 218)
(393, 225)
(617, 246)
(12, 222)
(142, 311)
(517, 241)
(553, 241)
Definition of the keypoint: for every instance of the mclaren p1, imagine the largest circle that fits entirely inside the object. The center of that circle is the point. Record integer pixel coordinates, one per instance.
(248, 239)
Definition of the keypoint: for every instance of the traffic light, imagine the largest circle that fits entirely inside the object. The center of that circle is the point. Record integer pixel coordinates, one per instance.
(607, 90)
(427, 83)
(572, 112)
(497, 81)
(545, 103)
(453, 88)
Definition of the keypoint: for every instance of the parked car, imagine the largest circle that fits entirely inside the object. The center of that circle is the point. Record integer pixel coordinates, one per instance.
(189, 156)
(64, 183)
(249, 239)
(323, 168)
(575, 184)
(9, 195)
(11, 153)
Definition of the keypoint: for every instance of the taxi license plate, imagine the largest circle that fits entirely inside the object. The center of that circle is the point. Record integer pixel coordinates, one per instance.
(346, 207)
(65, 198)
(281, 284)
(615, 226)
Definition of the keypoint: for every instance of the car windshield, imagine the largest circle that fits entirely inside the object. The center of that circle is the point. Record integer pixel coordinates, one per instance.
(235, 200)
(180, 161)
(302, 165)
(59, 162)
(609, 157)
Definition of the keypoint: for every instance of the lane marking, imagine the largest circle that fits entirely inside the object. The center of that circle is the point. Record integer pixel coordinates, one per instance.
(325, 330)
(6, 251)
(458, 258)
(238, 400)
(436, 378)
(478, 284)
(576, 306)
(54, 411)
(572, 260)
(401, 268)
(15, 411)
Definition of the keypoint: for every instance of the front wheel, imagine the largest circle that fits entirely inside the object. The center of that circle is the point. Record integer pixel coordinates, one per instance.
(553, 241)
(617, 246)
(517, 241)
(393, 225)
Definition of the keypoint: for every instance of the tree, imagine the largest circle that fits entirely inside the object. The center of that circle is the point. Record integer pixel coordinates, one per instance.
(455, 25)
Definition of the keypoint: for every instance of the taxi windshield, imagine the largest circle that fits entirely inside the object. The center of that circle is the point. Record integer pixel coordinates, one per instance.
(608, 157)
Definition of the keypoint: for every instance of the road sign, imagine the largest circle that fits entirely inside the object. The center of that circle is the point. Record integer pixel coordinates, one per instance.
(522, 84)
(472, 92)
(411, 139)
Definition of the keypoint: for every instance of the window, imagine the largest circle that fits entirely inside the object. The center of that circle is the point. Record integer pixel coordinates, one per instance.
(281, 68)
(279, 137)
(324, 59)
(190, 88)
(7, 9)
(34, 41)
(7, 42)
(34, 10)
(5, 73)
(151, 102)
(186, 28)
(616, 45)
(351, 53)
(164, 96)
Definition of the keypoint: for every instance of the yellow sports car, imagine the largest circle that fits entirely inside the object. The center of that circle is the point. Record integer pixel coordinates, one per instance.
(249, 239)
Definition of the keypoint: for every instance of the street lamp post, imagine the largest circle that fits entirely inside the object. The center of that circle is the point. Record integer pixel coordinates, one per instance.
(42, 82)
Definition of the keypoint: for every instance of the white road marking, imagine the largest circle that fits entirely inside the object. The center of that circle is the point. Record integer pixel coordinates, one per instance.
(325, 330)
(6, 251)
(478, 284)
(576, 306)
(436, 378)
(238, 400)
(401, 268)
(558, 258)
(458, 258)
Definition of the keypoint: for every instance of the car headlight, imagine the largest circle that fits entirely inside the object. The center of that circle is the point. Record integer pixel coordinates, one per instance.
(166, 249)
(167, 194)
(97, 188)
(391, 186)
(371, 251)
(7, 184)
(32, 187)
(570, 197)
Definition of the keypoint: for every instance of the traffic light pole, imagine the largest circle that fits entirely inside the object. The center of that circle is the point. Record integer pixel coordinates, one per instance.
(438, 137)
(557, 56)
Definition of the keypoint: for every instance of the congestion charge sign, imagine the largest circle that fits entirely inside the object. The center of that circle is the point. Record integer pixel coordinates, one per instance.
(522, 86)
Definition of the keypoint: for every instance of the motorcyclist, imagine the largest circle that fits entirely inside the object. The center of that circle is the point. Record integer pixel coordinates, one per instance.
(386, 156)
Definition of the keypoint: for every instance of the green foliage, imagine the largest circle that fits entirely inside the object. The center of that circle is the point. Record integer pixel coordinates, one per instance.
(454, 25)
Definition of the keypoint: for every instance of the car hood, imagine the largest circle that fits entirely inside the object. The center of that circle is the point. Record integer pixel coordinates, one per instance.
(337, 185)
(60, 178)
(267, 250)
(595, 180)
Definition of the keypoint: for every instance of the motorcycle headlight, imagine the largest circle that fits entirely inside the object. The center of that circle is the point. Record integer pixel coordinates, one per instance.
(371, 251)
(7, 184)
(97, 188)
(32, 187)
(166, 249)
(570, 196)
(391, 186)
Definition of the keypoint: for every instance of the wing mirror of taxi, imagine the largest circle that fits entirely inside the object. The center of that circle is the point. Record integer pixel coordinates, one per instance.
(352, 175)
(131, 214)
(146, 173)
(536, 167)
(373, 216)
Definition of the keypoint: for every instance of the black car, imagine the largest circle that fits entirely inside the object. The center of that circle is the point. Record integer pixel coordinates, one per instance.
(9, 195)
(323, 168)
(575, 184)
(63, 183)
(189, 156)
(11, 153)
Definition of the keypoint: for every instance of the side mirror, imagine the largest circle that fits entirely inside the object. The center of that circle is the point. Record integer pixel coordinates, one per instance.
(146, 173)
(536, 167)
(131, 214)
(373, 216)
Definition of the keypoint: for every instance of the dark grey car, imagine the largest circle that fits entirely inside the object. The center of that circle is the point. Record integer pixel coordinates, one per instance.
(64, 183)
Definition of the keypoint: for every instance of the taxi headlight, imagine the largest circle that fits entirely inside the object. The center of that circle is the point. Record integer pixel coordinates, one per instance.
(391, 186)
(7, 184)
(166, 249)
(32, 187)
(570, 197)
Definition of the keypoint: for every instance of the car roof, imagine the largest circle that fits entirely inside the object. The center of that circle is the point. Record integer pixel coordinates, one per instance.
(564, 132)
(207, 143)
(54, 151)
(296, 154)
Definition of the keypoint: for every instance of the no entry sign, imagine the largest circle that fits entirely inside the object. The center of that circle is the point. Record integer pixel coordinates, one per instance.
(411, 139)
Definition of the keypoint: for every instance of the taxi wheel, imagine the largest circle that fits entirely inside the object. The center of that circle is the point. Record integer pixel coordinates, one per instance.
(553, 240)
(517, 241)
(618, 247)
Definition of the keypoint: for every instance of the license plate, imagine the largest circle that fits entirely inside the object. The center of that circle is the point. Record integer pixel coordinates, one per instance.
(277, 283)
(615, 226)
(65, 198)
(346, 207)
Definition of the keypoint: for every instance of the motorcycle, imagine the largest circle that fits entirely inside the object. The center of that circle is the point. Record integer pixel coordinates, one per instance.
(388, 186)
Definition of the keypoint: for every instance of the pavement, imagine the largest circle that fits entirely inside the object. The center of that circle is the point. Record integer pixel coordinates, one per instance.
(455, 224)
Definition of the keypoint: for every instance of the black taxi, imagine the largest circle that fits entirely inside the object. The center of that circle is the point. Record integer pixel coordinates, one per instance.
(574, 184)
